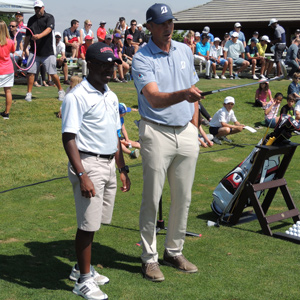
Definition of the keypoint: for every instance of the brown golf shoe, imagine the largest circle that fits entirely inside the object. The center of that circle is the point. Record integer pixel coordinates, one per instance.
(152, 272)
(179, 262)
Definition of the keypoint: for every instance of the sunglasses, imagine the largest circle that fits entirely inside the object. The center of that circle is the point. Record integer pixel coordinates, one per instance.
(12, 26)
(133, 24)
(89, 24)
(230, 104)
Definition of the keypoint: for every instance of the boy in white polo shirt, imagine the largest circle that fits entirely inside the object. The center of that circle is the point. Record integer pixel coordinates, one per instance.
(219, 126)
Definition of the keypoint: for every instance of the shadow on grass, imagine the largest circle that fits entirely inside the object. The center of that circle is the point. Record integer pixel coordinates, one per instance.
(17, 96)
(43, 268)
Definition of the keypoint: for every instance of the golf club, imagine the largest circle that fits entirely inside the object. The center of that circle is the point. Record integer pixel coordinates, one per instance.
(242, 85)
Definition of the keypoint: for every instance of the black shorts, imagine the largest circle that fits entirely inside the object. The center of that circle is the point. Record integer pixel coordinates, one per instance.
(214, 130)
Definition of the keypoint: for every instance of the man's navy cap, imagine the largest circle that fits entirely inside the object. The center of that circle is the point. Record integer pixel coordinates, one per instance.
(159, 13)
(102, 52)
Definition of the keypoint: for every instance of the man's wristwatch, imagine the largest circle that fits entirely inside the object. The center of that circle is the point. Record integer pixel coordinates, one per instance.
(125, 168)
(80, 174)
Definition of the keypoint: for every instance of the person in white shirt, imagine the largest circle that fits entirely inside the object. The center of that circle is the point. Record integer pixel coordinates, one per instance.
(219, 124)
(90, 120)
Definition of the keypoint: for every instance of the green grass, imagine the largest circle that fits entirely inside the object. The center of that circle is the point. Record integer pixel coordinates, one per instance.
(37, 222)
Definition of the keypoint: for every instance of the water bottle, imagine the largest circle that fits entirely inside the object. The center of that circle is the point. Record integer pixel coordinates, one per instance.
(71, 62)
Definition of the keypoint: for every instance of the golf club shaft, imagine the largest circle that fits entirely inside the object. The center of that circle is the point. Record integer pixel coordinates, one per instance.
(239, 86)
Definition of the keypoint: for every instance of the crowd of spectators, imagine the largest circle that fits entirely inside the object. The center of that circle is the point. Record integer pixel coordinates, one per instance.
(233, 50)
(228, 52)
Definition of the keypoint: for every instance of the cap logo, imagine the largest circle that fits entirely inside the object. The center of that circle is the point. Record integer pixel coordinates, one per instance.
(104, 49)
(164, 10)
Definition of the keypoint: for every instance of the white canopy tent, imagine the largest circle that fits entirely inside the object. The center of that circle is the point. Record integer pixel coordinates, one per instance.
(12, 6)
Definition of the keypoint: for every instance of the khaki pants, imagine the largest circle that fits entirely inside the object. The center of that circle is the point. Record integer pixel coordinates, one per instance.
(172, 152)
(91, 212)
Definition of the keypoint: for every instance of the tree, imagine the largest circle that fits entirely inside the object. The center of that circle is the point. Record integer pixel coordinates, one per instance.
(7, 17)
(178, 35)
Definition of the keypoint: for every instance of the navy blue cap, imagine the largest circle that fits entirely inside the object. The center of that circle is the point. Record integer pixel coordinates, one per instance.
(159, 13)
(102, 52)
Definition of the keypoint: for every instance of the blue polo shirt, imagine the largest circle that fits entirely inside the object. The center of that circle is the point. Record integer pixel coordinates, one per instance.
(202, 48)
(173, 71)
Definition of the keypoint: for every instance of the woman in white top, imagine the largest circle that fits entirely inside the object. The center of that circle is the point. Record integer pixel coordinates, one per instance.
(86, 30)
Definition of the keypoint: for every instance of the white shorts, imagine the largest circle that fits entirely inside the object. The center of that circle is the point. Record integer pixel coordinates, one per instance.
(7, 80)
(48, 61)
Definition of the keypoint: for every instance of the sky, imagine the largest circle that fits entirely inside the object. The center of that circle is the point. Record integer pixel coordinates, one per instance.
(110, 11)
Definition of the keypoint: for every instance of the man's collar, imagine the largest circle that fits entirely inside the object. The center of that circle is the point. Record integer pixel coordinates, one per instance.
(89, 88)
(155, 49)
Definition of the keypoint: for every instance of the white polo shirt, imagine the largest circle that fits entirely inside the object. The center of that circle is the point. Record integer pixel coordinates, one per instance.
(222, 115)
(93, 117)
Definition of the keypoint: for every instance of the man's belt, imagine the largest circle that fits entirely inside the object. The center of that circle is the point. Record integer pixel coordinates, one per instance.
(160, 124)
(107, 156)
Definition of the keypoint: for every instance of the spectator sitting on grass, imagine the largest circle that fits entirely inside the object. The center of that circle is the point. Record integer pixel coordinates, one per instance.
(288, 109)
(271, 110)
(262, 93)
(125, 141)
(205, 140)
(294, 87)
(219, 126)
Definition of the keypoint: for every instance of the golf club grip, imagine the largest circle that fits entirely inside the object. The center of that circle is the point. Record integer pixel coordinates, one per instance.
(207, 93)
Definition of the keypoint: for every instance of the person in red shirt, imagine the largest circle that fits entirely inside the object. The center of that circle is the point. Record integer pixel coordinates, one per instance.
(7, 46)
(82, 52)
(101, 32)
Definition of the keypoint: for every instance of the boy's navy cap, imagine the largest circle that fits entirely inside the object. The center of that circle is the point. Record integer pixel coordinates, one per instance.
(159, 13)
(101, 52)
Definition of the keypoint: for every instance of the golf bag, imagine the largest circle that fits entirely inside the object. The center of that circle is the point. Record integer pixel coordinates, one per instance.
(228, 189)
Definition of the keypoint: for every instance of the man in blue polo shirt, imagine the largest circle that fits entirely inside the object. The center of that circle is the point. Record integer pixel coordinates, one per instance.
(164, 76)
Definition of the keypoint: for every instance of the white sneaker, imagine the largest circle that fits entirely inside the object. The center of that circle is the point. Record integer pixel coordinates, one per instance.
(216, 76)
(98, 278)
(223, 77)
(89, 290)
(61, 95)
(255, 77)
(28, 97)
(263, 77)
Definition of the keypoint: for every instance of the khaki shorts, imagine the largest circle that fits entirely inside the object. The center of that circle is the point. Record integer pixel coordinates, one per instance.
(48, 61)
(91, 212)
